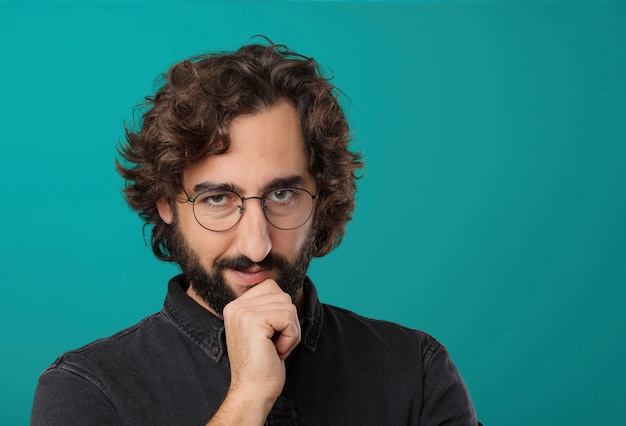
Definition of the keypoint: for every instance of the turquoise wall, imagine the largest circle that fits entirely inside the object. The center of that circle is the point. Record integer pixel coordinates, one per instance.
(492, 213)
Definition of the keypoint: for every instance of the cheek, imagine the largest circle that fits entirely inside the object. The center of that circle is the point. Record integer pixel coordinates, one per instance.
(290, 243)
(206, 245)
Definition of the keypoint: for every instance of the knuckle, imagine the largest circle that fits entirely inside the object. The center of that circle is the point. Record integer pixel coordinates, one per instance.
(228, 309)
(245, 316)
(292, 309)
(233, 306)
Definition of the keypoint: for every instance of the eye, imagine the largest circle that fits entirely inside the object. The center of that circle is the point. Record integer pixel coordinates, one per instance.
(281, 196)
(215, 200)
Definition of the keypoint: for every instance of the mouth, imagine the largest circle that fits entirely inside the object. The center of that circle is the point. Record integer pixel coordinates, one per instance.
(250, 276)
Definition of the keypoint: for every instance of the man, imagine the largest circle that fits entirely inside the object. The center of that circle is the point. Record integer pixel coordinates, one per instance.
(242, 167)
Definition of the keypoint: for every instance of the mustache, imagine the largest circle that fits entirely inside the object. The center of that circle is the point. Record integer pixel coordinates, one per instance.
(242, 263)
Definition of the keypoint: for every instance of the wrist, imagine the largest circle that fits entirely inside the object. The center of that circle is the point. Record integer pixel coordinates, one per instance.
(241, 407)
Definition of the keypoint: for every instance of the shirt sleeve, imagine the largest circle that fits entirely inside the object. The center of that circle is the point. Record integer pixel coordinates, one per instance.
(64, 397)
(446, 398)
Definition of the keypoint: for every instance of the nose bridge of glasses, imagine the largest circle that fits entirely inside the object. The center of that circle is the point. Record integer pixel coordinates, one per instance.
(244, 199)
(243, 206)
(255, 218)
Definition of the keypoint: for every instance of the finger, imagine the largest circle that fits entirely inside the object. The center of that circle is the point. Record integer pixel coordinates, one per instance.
(260, 303)
(268, 286)
(247, 312)
(287, 335)
(285, 343)
(271, 315)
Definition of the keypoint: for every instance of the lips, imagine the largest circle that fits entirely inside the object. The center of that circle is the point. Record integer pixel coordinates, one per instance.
(251, 276)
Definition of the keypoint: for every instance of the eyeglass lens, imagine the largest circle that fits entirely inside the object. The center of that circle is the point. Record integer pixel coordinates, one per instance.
(287, 208)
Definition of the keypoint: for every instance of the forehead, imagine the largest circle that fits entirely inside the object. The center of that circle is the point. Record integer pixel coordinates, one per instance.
(264, 147)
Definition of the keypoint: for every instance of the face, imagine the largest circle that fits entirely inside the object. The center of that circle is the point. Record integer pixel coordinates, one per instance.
(267, 152)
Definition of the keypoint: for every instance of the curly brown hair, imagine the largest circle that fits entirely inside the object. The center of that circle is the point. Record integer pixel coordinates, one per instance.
(188, 118)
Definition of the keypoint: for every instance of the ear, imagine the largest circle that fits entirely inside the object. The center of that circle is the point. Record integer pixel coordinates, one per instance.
(165, 210)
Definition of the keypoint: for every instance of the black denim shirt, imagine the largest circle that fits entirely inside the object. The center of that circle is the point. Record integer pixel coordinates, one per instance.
(173, 369)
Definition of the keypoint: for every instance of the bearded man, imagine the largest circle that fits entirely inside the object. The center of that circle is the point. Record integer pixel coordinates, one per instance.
(241, 165)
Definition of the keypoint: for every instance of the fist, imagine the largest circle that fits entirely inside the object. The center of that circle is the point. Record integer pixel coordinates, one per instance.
(262, 329)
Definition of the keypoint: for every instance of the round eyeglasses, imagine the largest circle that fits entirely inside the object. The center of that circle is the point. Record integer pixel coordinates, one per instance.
(221, 210)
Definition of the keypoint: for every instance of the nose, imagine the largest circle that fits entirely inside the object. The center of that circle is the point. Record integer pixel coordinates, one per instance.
(253, 240)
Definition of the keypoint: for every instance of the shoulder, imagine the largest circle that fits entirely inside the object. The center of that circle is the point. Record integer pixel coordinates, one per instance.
(380, 334)
(414, 361)
(341, 317)
(100, 353)
(79, 384)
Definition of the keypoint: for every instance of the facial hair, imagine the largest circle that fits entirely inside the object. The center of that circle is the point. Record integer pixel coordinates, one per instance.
(211, 286)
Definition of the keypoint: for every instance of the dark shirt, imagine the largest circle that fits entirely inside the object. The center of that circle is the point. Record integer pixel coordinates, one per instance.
(173, 369)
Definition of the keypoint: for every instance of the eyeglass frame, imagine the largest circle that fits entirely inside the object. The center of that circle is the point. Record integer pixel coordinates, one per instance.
(242, 207)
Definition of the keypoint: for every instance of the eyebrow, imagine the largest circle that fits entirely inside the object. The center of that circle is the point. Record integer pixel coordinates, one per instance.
(281, 182)
(284, 182)
(213, 186)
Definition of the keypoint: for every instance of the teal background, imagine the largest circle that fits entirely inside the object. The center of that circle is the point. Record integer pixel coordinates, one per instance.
(491, 214)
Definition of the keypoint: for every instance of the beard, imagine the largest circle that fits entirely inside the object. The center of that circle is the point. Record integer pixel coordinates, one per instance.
(211, 286)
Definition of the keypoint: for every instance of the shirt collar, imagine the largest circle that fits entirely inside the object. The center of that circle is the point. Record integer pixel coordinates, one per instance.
(207, 331)
(199, 325)
(313, 317)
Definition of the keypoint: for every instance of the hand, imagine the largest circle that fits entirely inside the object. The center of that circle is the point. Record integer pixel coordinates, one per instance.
(262, 329)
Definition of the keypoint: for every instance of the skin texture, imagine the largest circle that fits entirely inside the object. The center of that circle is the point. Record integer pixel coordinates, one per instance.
(261, 324)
